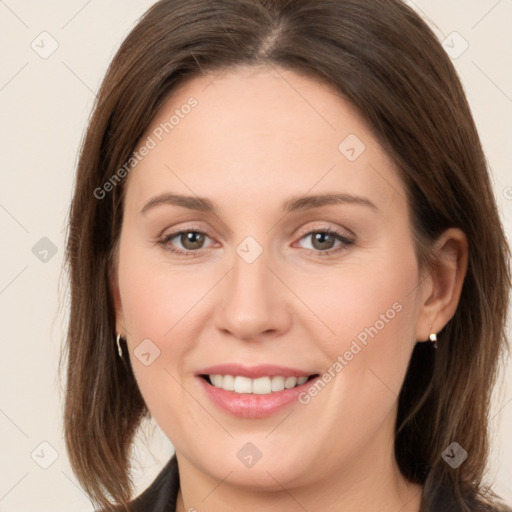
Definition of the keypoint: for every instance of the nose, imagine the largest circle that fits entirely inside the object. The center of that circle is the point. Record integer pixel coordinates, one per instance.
(254, 301)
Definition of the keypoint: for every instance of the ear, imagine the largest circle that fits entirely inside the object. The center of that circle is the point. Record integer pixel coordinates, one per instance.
(116, 299)
(443, 282)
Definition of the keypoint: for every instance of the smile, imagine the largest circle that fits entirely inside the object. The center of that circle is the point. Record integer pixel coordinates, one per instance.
(259, 386)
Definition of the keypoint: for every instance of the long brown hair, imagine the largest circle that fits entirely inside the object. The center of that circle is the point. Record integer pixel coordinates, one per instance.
(382, 57)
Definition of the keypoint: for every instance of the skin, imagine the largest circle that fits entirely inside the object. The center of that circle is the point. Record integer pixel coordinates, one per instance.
(258, 137)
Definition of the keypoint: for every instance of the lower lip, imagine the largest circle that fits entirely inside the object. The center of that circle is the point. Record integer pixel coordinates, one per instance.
(250, 405)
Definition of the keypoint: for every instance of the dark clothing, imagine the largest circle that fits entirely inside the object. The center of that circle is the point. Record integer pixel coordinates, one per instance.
(161, 495)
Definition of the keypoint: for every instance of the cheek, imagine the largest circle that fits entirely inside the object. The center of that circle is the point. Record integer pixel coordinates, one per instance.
(164, 309)
(154, 303)
(159, 342)
(370, 312)
(157, 299)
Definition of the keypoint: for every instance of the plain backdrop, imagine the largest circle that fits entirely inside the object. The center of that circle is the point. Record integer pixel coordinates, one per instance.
(54, 55)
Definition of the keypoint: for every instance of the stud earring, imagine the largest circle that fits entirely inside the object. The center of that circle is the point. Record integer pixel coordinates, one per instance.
(433, 338)
(119, 349)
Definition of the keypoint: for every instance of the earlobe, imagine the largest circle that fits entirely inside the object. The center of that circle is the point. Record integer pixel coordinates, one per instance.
(447, 276)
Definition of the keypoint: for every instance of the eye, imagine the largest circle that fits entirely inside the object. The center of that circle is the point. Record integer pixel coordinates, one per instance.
(323, 241)
(191, 241)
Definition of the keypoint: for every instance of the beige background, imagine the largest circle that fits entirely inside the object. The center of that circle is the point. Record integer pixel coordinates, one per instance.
(45, 103)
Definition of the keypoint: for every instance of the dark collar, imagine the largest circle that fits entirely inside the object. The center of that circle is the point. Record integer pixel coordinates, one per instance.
(161, 495)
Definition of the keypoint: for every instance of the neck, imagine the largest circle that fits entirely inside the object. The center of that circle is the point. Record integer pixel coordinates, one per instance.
(373, 482)
(407, 499)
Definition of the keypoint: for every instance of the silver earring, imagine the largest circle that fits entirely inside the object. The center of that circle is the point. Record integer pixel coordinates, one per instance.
(433, 339)
(119, 349)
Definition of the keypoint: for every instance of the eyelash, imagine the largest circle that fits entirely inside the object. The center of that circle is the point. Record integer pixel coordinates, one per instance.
(164, 242)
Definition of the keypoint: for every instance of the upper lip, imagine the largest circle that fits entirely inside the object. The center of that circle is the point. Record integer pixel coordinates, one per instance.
(253, 372)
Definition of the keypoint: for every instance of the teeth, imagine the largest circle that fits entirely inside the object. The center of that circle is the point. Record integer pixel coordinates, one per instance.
(260, 386)
(242, 384)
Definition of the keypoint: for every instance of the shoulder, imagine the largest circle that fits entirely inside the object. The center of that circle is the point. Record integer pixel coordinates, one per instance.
(161, 495)
(441, 494)
(445, 499)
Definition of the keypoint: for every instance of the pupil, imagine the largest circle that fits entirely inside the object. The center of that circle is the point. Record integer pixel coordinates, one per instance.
(192, 238)
(320, 237)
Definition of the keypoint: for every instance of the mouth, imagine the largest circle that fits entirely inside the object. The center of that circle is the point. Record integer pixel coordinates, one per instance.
(265, 385)
(252, 392)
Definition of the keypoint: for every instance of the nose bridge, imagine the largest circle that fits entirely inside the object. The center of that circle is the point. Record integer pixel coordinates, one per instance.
(253, 303)
(250, 273)
(250, 283)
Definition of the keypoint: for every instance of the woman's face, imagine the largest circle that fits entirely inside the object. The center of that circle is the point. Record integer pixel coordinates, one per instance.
(260, 287)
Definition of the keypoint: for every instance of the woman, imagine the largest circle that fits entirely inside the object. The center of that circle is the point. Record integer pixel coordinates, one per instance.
(283, 216)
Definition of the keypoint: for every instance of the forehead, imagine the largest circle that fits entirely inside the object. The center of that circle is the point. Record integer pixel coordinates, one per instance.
(258, 130)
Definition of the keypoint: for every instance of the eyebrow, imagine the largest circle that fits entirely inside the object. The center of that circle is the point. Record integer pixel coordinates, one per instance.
(293, 204)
